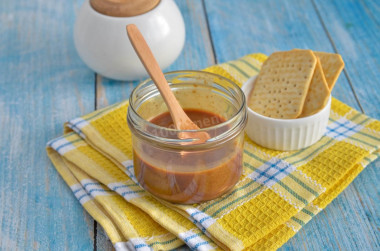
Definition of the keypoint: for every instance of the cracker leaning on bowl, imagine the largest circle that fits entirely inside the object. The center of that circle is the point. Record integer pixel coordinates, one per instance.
(318, 93)
(332, 65)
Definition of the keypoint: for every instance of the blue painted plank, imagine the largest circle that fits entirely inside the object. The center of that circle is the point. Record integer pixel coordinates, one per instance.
(42, 84)
(268, 26)
(351, 221)
(354, 28)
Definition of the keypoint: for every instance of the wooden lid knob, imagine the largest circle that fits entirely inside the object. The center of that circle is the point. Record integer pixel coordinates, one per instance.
(123, 8)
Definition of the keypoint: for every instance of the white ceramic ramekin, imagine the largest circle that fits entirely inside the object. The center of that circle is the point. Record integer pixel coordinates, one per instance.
(285, 134)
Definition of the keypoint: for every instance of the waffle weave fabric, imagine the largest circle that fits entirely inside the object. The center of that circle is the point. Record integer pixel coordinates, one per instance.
(278, 193)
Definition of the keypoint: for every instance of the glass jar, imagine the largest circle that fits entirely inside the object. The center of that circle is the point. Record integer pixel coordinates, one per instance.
(171, 168)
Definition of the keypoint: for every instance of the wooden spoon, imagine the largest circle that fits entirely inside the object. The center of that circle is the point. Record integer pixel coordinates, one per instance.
(180, 118)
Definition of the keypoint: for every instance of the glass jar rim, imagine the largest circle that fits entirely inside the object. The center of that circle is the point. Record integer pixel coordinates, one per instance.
(173, 130)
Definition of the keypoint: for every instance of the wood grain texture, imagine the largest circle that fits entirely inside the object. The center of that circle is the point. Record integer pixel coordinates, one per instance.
(351, 222)
(102, 241)
(268, 26)
(354, 29)
(43, 83)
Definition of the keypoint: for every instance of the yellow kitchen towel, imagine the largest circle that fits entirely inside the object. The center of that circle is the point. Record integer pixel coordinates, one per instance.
(278, 193)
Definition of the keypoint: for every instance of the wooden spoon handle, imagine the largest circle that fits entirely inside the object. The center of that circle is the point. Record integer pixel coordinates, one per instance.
(180, 118)
(146, 56)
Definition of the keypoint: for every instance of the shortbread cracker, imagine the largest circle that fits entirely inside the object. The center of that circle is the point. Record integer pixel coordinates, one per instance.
(318, 93)
(332, 66)
(282, 84)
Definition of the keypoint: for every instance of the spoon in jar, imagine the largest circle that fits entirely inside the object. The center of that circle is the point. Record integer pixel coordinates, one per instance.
(180, 119)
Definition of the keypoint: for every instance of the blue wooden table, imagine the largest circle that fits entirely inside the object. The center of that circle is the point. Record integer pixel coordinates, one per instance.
(43, 83)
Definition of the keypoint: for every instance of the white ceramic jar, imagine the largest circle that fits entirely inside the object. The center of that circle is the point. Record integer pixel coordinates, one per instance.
(102, 42)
